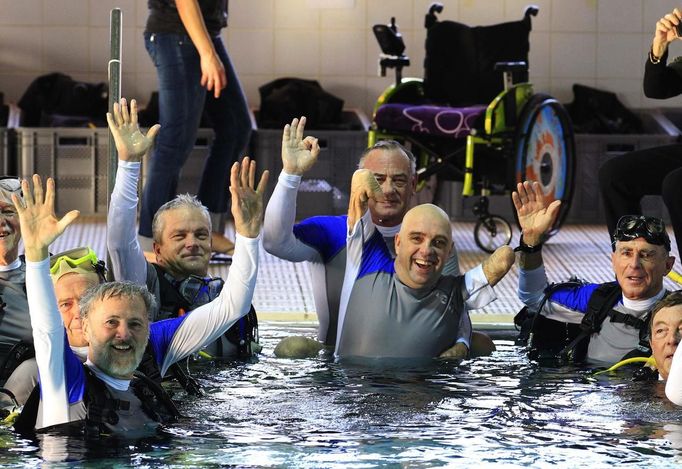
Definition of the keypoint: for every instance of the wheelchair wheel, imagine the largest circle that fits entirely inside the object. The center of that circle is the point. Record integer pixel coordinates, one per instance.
(491, 232)
(545, 152)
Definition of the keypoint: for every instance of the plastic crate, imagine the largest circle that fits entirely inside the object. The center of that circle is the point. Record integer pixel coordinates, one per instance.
(340, 151)
(77, 160)
(593, 150)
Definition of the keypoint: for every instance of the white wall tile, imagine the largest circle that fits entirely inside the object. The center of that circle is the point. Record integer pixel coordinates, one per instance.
(21, 49)
(71, 13)
(342, 53)
(353, 90)
(619, 56)
(22, 13)
(345, 18)
(251, 51)
(13, 85)
(481, 12)
(297, 52)
(539, 54)
(295, 14)
(573, 54)
(100, 12)
(562, 88)
(514, 10)
(611, 17)
(66, 49)
(575, 15)
(654, 10)
(381, 11)
(252, 14)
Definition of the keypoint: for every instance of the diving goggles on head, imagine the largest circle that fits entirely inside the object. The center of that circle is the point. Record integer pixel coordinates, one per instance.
(652, 229)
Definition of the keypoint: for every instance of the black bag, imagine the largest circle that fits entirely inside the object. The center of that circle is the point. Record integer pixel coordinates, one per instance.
(51, 97)
(286, 98)
(601, 112)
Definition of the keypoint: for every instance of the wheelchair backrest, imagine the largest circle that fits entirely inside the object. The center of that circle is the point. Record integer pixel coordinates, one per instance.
(460, 60)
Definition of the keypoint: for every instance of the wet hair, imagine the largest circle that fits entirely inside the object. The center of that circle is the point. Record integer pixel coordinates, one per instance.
(389, 145)
(106, 290)
(180, 201)
(673, 299)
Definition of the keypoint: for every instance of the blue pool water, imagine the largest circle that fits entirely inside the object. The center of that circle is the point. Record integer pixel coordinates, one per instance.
(499, 410)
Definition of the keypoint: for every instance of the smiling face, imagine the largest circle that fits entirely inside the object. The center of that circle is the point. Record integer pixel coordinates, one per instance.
(69, 289)
(10, 233)
(393, 171)
(422, 246)
(185, 245)
(666, 329)
(640, 267)
(117, 330)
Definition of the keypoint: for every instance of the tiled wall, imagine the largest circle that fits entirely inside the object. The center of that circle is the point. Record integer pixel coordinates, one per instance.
(601, 43)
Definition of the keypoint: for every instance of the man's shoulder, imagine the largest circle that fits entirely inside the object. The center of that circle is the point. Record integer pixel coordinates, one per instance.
(325, 233)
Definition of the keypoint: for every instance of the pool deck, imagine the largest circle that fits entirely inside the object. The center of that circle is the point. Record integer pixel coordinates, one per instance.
(283, 291)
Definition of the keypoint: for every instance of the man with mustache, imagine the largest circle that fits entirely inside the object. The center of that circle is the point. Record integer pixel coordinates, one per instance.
(105, 394)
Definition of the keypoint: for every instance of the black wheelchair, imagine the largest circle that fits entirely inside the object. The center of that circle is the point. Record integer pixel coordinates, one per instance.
(475, 100)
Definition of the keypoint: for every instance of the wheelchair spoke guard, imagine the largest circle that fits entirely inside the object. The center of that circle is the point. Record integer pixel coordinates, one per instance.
(545, 152)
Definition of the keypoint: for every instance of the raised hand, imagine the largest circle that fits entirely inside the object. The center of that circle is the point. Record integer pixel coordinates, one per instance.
(131, 143)
(666, 31)
(298, 154)
(363, 186)
(247, 200)
(39, 224)
(534, 218)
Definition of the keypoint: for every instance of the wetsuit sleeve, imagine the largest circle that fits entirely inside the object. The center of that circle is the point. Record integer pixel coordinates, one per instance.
(49, 341)
(127, 259)
(662, 80)
(479, 293)
(278, 224)
(532, 284)
(673, 387)
(208, 322)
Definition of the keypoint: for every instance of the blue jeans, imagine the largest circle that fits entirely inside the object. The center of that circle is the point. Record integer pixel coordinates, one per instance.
(181, 101)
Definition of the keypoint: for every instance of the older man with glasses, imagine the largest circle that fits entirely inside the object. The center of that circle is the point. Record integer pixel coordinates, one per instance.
(589, 321)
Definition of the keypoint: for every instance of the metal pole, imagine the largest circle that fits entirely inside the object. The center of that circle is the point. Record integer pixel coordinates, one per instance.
(114, 71)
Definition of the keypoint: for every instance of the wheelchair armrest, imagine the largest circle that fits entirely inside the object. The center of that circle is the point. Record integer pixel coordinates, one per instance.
(511, 67)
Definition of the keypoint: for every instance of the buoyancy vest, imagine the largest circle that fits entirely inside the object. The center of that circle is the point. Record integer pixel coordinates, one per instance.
(570, 341)
(172, 304)
(101, 407)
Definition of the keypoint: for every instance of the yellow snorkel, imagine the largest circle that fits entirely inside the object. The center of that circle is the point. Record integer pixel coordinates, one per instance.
(648, 361)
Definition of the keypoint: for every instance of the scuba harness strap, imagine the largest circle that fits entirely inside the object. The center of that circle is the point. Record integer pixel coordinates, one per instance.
(150, 369)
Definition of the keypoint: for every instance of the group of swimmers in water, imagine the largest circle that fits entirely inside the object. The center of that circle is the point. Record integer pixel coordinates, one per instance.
(89, 355)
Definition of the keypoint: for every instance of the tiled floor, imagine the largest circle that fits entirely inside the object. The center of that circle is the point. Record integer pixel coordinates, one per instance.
(283, 289)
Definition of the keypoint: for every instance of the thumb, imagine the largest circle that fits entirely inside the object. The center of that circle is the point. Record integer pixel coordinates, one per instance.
(67, 220)
(152, 132)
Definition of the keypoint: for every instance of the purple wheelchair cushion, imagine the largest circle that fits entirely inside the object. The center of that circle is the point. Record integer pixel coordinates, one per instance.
(452, 122)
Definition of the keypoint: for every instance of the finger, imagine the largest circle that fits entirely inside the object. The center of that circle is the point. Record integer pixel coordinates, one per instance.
(111, 122)
(28, 195)
(18, 203)
(292, 129)
(152, 132)
(537, 190)
(252, 175)
(117, 115)
(37, 189)
(49, 194)
(133, 111)
(285, 134)
(234, 175)
(300, 128)
(263, 182)
(67, 220)
(124, 111)
(553, 210)
(516, 200)
(204, 80)
(244, 173)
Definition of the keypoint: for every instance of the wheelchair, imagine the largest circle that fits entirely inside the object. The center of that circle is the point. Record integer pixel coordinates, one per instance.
(474, 117)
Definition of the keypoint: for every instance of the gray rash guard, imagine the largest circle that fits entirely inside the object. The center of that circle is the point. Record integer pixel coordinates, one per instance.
(383, 318)
(15, 324)
(322, 242)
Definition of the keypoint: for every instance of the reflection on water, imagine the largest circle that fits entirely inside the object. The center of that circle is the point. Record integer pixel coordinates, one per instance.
(502, 409)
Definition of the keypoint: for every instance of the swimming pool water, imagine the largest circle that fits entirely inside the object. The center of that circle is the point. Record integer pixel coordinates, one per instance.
(493, 411)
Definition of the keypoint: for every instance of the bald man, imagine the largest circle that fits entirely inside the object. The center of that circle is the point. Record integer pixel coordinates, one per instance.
(406, 308)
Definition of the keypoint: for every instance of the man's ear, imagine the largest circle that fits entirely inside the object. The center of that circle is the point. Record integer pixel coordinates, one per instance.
(86, 328)
(669, 264)
(156, 247)
(396, 241)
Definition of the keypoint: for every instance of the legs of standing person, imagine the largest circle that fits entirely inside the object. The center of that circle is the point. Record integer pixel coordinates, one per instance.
(672, 196)
(625, 179)
(181, 101)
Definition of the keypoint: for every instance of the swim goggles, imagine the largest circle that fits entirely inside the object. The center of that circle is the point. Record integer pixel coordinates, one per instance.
(652, 229)
(198, 291)
(9, 185)
(80, 260)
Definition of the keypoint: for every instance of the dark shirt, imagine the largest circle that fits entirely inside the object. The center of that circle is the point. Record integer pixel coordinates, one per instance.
(164, 17)
(663, 80)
